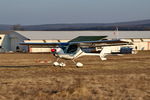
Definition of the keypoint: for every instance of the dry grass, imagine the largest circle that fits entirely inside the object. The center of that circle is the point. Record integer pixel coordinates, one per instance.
(127, 77)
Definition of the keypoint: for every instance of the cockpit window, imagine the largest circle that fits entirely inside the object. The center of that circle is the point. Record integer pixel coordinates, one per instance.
(72, 48)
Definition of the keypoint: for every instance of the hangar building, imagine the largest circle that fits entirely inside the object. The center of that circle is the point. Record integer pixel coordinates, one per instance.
(9, 40)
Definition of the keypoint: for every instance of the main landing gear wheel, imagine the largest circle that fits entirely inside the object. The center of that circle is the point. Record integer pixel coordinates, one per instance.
(62, 64)
(78, 64)
(56, 64)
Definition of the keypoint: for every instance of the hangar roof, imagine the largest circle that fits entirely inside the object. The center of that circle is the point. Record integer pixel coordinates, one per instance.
(68, 35)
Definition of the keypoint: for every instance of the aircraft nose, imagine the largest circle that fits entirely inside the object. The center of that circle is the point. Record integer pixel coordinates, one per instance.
(53, 50)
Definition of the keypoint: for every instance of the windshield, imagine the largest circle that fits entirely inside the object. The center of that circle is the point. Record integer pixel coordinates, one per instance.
(72, 48)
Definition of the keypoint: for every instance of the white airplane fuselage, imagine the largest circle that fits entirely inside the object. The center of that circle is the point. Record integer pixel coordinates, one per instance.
(78, 53)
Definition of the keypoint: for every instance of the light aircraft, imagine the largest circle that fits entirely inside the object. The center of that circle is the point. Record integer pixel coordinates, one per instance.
(83, 46)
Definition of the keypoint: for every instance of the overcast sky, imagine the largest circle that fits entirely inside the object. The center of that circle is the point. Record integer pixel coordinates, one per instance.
(27, 12)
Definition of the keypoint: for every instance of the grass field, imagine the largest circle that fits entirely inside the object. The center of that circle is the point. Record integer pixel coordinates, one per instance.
(32, 77)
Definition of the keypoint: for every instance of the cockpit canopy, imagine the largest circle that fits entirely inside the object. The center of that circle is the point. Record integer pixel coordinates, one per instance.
(72, 48)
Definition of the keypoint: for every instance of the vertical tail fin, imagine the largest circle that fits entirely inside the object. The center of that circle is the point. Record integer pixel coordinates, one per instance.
(105, 51)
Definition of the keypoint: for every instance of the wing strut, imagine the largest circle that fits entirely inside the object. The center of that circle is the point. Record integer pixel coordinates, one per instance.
(104, 52)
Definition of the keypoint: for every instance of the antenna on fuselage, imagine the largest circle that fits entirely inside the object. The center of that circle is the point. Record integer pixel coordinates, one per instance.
(116, 33)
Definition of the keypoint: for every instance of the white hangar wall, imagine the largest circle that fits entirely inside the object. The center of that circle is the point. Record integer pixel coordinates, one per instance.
(10, 40)
(54, 36)
(4, 43)
(15, 39)
(141, 44)
(36, 48)
(41, 48)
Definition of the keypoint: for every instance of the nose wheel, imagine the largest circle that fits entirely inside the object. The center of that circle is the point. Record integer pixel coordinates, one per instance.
(59, 64)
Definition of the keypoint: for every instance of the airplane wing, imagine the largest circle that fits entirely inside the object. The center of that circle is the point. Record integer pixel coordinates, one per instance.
(92, 41)
(100, 43)
(87, 38)
(59, 44)
(49, 44)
